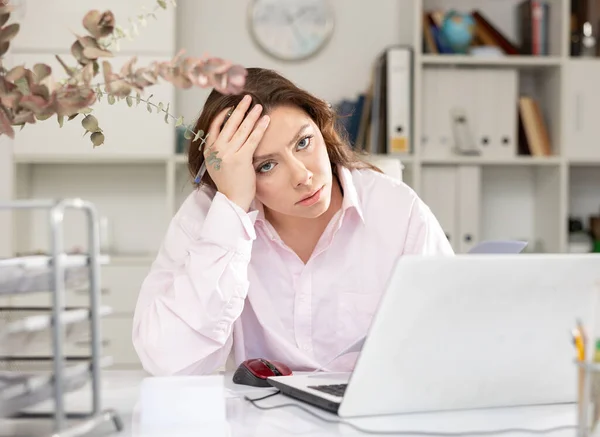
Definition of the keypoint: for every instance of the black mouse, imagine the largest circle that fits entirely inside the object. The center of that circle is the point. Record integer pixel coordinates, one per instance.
(255, 371)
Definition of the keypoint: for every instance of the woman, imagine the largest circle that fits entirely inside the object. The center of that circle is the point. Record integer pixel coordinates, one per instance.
(285, 247)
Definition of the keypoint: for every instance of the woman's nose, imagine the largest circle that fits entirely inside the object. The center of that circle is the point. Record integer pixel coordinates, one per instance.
(300, 174)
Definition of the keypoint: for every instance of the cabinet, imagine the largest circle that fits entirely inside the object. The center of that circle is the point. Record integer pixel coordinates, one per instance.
(582, 89)
(454, 194)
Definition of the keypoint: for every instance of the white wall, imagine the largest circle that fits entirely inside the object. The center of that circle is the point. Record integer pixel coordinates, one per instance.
(363, 29)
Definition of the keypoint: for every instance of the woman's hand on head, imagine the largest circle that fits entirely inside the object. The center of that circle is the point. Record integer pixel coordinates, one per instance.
(229, 152)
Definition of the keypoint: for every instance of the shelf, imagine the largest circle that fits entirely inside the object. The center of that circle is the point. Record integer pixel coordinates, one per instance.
(89, 158)
(489, 61)
(27, 274)
(21, 390)
(583, 162)
(25, 330)
(479, 160)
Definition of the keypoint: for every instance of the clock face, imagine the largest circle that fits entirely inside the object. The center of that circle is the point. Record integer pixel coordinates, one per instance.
(291, 29)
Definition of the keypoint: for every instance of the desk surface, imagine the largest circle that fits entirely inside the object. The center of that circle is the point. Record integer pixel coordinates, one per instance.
(121, 391)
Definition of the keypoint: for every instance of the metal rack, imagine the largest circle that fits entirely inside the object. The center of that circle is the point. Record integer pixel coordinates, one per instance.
(20, 390)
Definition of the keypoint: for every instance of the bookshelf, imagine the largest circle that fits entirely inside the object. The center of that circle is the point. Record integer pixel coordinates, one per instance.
(507, 195)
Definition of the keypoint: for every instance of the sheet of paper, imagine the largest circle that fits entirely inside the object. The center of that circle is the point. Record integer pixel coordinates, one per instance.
(499, 247)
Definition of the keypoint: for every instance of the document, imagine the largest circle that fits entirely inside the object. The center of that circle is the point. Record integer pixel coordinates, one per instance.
(499, 247)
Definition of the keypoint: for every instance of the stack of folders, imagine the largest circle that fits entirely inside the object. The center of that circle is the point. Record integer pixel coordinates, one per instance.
(381, 119)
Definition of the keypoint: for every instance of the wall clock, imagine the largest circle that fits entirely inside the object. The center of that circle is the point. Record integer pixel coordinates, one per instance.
(291, 30)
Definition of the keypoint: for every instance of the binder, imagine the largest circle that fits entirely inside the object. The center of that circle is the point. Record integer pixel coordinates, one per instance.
(399, 100)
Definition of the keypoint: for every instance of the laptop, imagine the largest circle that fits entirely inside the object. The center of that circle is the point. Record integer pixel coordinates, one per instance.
(465, 332)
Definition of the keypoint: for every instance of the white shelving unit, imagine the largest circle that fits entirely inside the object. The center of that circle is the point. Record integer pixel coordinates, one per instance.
(502, 194)
(137, 181)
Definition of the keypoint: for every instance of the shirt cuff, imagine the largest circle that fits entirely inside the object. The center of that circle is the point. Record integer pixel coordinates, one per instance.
(229, 226)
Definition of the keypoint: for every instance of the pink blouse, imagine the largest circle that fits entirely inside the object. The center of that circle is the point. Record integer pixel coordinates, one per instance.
(223, 281)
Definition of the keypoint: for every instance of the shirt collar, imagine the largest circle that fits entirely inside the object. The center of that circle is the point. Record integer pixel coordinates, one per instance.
(350, 199)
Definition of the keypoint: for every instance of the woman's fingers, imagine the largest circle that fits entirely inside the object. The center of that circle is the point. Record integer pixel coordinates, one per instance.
(242, 133)
(249, 147)
(236, 118)
(215, 127)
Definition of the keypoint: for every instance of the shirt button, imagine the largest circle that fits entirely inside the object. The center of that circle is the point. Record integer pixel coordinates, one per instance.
(306, 347)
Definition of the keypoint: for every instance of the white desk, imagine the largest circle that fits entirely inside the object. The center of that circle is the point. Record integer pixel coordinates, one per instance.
(121, 391)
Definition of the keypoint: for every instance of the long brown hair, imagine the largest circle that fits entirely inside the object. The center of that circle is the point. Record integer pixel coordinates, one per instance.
(270, 89)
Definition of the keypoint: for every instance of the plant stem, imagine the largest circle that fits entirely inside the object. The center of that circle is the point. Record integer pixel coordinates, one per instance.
(147, 102)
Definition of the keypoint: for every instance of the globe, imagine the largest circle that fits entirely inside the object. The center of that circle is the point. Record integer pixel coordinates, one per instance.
(457, 29)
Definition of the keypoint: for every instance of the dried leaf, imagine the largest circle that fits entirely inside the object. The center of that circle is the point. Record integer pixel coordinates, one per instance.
(127, 69)
(22, 86)
(129, 100)
(90, 123)
(174, 3)
(95, 53)
(167, 113)
(162, 3)
(4, 18)
(77, 52)
(86, 111)
(42, 117)
(41, 71)
(111, 99)
(23, 117)
(71, 117)
(16, 73)
(99, 25)
(198, 135)
(9, 32)
(138, 98)
(179, 121)
(10, 100)
(149, 107)
(187, 134)
(61, 120)
(97, 139)
(4, 48)
(5, 126)
(160, 107)
(87, 74)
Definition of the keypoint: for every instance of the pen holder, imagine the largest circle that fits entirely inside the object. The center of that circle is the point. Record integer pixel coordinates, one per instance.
(588, 398)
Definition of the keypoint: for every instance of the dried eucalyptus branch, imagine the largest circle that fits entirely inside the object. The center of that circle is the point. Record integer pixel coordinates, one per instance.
(31, 95)
(91, 125)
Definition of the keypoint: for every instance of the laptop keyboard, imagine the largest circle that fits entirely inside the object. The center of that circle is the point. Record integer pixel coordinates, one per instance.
(333, 389)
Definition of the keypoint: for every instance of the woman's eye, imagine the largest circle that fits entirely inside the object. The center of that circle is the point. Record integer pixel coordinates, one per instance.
(266, 167)
(304, 143)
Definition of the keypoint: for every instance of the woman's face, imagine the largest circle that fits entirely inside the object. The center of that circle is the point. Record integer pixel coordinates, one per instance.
(293, 171)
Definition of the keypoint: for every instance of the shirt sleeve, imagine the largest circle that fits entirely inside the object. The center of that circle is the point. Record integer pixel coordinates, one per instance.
(195, 289)
(425, 235)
